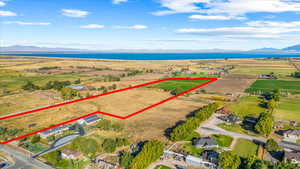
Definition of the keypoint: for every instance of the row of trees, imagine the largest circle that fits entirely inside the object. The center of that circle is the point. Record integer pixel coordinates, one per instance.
(230, 160)
(6, 132)
(296, 74)
(151, 151)
(57, 85)
(68, 93)
(185, 129)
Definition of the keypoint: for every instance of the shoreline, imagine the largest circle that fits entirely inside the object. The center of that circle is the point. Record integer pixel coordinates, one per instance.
(63, 56)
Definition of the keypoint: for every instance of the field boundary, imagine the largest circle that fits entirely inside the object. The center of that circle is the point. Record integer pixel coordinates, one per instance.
(104, 113)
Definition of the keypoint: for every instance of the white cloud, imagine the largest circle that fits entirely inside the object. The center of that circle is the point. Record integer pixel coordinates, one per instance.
(92, 26)
(179, 6)
(228, 7)
(2, 3)
(273, 24)
(7, 13)
(215, 17)
(27, 23)
(132, 27)
(74, 13)
(118, 1)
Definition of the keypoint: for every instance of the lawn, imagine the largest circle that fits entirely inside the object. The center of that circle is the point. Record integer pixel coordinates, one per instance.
(246, 106)
(236, 128)
(35, 148)
(245, 148)
(288, 109)
(178, 85)
(189, 148)
(262, 86)
(162, 167)
(222, 140)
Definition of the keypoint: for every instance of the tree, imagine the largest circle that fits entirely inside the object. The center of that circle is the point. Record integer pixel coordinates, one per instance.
(271, 104)
(109, 145)
(51, 138)
(35, 139)
(271, 145)
(126, 159)
(104, 124)
(77, 81)
(264, 124)
(68, 93)
(296, 74)
(151, 151)
(229, 160)
(285, 165)
(251, 161)
(87, 146)
(184, 130)
(276, 95)
(30, 86)
(259, 165)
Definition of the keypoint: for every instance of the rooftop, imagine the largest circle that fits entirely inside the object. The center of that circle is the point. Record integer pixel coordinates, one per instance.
(69, 152)
(204, 141)
(55, 129)
(292, 155)
(293, 132)
(91, 118)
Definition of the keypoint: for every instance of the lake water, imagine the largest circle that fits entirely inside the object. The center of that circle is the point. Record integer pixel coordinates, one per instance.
(161, 56)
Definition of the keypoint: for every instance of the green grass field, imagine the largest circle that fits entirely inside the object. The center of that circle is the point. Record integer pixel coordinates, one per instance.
(288, 109)
(246, 106)
(257, 70)
(245, 148)
(261, 86)
(14, 80)
(222, 140)
(178, 85)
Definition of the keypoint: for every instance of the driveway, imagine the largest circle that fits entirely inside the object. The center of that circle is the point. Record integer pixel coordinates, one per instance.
(210, 127)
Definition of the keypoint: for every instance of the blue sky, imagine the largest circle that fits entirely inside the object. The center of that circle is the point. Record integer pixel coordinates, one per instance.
(150, 24)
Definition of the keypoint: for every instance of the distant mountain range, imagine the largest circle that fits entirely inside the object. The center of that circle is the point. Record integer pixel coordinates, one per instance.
(18, 49)
(293, 48)
(35, 49)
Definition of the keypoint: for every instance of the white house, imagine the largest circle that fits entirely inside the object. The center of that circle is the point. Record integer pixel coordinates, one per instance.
(71, 154)
(89, 120)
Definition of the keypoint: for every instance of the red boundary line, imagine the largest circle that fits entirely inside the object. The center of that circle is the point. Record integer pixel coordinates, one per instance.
(108, 114)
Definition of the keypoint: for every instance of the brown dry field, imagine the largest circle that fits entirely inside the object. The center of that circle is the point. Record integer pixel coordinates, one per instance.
(233, 83)
(149, 124)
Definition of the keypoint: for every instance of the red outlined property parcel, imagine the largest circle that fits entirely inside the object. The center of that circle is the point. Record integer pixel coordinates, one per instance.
(18, 115)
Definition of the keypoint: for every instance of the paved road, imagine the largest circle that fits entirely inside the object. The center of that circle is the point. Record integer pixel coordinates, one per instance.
(210, 127)
(22, 161)
(62, 142)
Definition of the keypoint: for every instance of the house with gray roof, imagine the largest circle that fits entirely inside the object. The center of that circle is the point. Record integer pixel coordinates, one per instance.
(54, 131)
(205, 142)
(293, 156)
(291, 135)
(89, 120)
